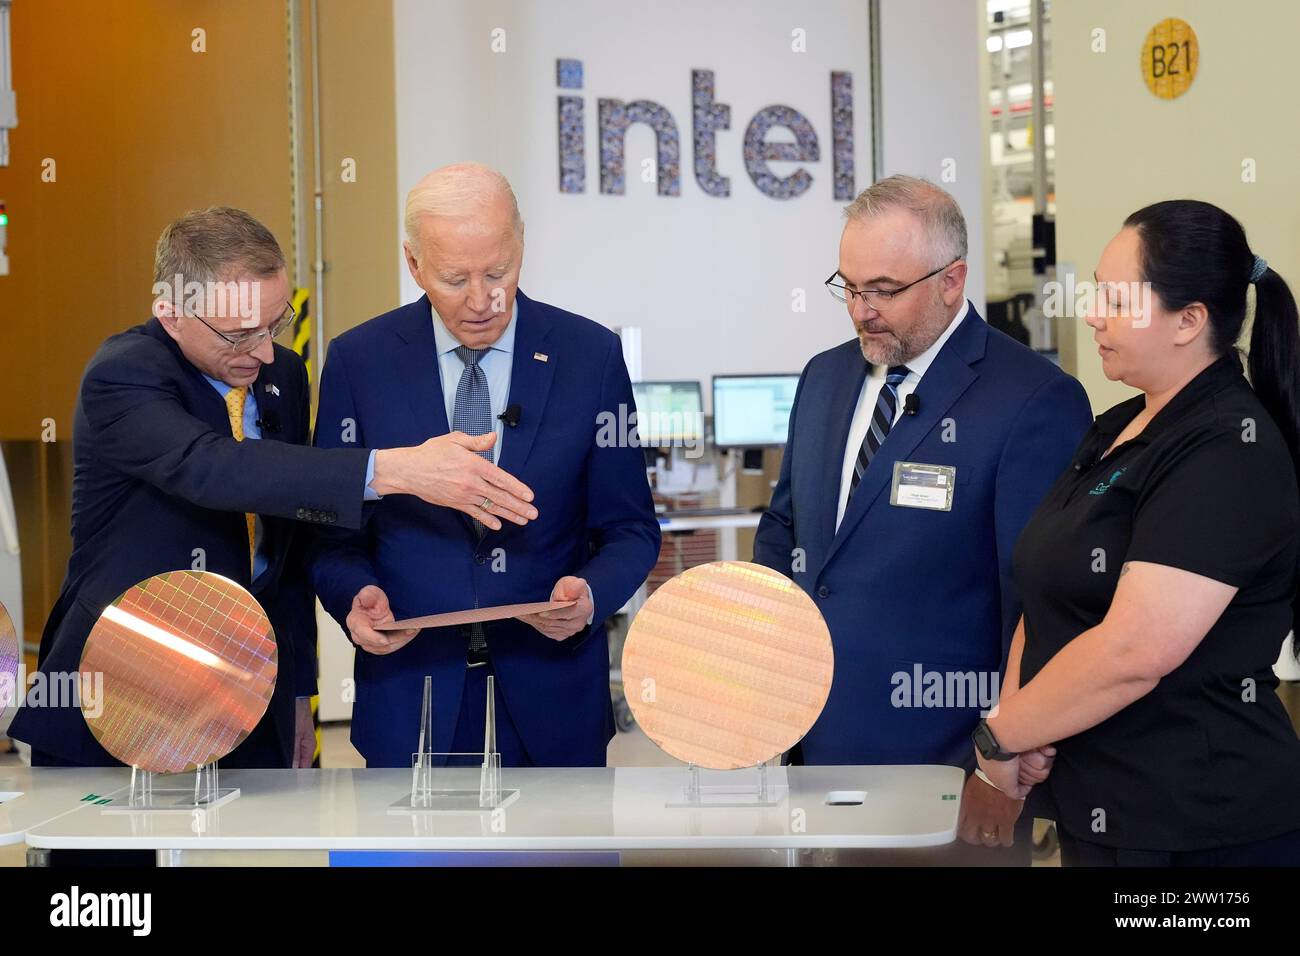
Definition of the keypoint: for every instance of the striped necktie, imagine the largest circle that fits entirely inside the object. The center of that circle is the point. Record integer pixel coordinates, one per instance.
(882, 419)
(235, 409)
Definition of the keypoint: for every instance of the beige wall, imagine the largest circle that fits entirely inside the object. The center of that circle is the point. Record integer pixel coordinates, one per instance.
(142, 128)
(1118, 147)
(358, 122)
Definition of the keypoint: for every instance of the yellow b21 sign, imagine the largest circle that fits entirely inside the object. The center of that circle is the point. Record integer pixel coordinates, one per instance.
(1170, 58)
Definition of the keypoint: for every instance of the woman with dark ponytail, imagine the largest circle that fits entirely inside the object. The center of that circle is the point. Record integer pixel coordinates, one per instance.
(1159, 574)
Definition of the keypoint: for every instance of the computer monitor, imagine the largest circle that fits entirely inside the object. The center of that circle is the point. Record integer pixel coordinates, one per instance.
(752, 411)
(668, 413)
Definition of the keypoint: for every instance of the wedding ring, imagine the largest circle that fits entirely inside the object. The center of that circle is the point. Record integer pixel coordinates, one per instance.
(487, 504)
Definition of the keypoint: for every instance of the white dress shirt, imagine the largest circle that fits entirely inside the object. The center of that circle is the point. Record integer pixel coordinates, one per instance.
(871, 387)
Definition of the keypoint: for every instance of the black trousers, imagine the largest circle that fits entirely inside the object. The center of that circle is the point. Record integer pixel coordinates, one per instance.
(1281, 850)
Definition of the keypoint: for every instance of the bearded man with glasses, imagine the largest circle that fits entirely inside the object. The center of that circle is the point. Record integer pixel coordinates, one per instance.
(916, 453)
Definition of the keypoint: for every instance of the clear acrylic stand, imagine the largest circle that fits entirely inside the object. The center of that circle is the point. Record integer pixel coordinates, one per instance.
(763, 792)
(426, 797)
(206, 794)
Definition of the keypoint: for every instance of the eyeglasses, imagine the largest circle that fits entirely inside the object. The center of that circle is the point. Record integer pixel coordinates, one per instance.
(875, 298)
(245, 342)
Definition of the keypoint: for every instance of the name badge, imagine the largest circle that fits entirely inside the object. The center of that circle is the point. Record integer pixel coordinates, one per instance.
(922, 486)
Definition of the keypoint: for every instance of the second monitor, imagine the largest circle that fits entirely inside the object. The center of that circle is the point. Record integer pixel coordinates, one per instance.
(752, 411)
(668, 413)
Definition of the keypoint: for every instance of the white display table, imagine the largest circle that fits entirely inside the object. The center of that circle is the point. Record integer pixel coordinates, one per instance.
(30, 797)
(563, 810)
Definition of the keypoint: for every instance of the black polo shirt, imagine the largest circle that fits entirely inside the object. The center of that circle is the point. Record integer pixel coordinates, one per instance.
(1209, 487)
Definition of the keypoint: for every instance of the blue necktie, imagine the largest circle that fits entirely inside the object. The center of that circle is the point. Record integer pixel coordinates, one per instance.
(473, 416)
(473, 411)
(882, 419)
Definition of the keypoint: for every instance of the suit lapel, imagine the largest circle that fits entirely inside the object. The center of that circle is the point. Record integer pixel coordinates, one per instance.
(204, 400)
(207, 404)
(943, 383)
(839, 420)
(530, 384)
(418, 374)
(278, 422)
(269, 394)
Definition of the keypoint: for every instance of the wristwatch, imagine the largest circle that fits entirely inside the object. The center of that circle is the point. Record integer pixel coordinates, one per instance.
(988, 745)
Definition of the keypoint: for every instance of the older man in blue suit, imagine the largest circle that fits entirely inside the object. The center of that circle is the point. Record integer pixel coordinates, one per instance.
(474, 355)
(916, 453)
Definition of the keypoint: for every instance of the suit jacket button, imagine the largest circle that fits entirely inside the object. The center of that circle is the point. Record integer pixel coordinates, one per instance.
(823, 591)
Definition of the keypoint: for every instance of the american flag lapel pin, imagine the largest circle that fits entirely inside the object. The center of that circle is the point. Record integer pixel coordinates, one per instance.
(270, 387)
(541, 357)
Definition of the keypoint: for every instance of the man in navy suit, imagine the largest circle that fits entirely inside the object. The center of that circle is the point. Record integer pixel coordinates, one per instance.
(475, 354)
(170, 474)
(916, 454)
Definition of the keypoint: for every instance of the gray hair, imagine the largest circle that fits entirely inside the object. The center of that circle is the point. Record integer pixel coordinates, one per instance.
(454, 190)
(215, 244)
(941, 218)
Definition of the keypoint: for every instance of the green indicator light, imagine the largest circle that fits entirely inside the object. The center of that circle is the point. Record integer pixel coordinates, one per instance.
(4, 219)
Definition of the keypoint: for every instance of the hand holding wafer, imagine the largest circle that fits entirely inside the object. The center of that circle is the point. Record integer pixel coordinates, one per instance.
(571, 614)
(371, 615)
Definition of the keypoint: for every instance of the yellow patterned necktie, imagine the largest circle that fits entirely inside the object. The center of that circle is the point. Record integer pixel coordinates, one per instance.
(235, 409)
